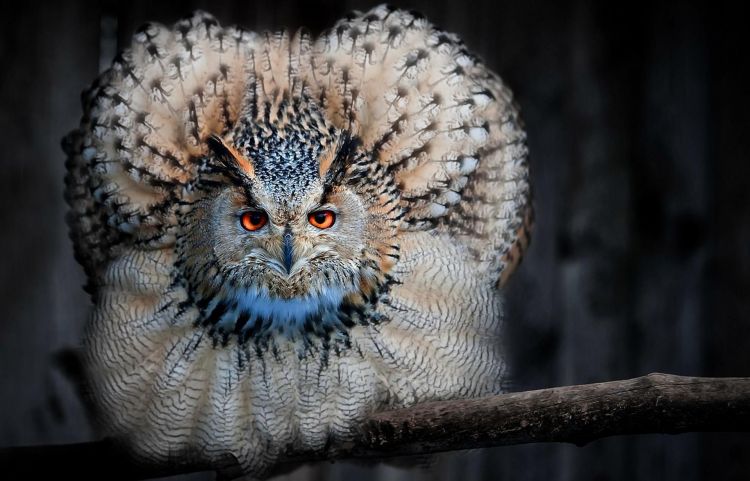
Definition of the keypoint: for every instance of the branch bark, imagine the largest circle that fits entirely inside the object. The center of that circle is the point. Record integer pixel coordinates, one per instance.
(656, 403)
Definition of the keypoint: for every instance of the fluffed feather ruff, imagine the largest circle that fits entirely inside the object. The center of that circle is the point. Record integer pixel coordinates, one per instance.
(433, 117)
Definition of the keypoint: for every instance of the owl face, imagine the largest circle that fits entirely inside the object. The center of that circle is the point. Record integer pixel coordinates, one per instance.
(280, 242)
(304, 247)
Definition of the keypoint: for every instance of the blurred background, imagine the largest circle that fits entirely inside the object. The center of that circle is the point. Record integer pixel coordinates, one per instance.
(638, 116)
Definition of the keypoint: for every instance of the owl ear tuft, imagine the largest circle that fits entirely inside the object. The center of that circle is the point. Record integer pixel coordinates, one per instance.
(230, 157)
(333, 163)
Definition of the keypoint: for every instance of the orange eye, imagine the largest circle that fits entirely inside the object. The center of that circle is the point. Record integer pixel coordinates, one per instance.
(253, 220)
(322, 219)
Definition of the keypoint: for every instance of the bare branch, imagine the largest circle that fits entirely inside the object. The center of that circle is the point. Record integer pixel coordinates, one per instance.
(657, 403)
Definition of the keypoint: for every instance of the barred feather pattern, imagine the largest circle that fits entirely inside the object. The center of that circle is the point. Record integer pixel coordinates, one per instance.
(441, 162)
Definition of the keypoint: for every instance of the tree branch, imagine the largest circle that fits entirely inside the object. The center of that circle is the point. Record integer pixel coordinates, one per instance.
(657, 403)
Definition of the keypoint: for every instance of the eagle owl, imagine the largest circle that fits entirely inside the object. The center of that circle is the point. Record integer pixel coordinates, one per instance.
(283, 233)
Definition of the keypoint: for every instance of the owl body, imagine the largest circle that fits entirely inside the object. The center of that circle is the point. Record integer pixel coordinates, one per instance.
(283, 234)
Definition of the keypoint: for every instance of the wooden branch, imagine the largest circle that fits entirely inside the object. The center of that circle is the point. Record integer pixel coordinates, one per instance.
(657, 403)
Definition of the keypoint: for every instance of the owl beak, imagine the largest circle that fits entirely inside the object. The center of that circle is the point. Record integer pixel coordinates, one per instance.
(288, 250)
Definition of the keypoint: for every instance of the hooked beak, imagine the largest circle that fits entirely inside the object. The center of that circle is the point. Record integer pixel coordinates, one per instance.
(288, 250)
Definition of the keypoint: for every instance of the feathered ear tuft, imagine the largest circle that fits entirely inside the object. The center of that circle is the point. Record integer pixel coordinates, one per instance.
(333, 164)
(230, 158)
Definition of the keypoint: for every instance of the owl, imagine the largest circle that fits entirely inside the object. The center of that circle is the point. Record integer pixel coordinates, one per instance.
(283, 234)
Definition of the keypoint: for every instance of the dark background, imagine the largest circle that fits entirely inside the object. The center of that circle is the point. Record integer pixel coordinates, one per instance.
(638, 122)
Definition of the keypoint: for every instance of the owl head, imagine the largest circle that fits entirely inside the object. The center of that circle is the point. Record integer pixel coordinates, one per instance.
(291, 234)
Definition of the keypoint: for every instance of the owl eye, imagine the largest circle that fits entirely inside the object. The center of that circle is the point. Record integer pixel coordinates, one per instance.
(253, 220)
(322, 219)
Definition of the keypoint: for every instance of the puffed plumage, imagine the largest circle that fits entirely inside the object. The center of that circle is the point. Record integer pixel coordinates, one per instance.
(208, 340)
